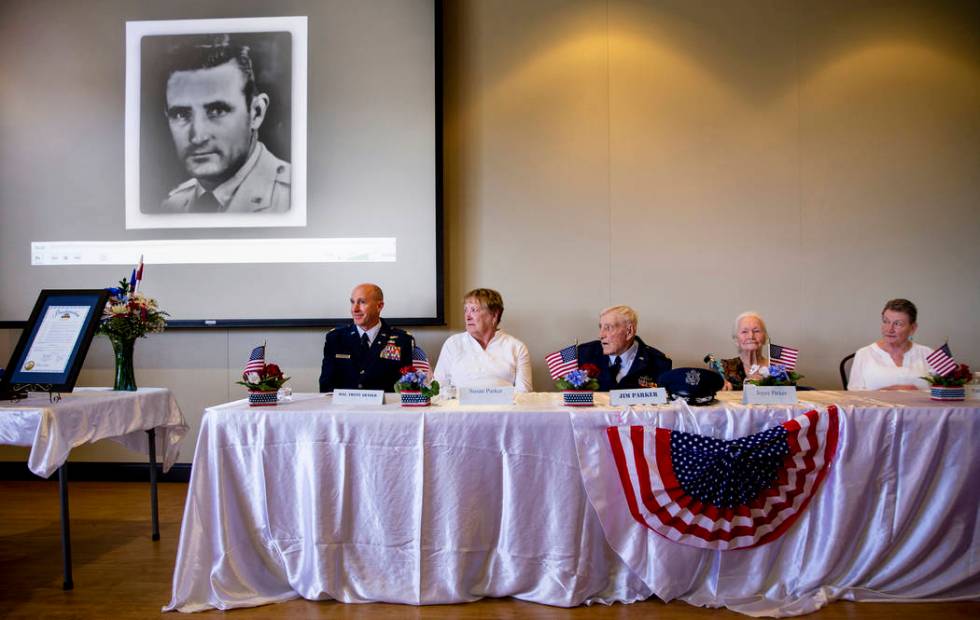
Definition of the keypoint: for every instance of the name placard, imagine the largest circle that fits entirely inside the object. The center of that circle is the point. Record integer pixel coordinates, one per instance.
(769, 395)
(503, 395)
(359, 397)
(642, 396)
(972, 392)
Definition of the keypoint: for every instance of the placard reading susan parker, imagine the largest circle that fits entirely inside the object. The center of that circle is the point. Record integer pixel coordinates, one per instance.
(216, 123)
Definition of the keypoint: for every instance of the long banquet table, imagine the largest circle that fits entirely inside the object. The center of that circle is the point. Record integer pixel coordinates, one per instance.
(452, 503)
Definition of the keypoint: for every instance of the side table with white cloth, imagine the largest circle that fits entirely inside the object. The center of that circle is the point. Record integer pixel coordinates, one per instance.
(145, 420)
(451, 503)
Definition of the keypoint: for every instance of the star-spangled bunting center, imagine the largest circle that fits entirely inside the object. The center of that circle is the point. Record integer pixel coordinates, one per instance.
(729, 473)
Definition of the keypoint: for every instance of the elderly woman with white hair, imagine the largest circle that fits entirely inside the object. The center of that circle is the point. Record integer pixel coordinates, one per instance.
(751, 337)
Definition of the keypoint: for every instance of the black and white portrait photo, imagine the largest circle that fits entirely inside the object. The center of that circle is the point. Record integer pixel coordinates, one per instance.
(216, 123)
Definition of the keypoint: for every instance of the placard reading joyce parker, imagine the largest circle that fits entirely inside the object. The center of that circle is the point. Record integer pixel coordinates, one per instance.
(216, 123)
(55, 339)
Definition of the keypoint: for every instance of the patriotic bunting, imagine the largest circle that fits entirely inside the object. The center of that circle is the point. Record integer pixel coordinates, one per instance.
(560, 363)
(724, 494)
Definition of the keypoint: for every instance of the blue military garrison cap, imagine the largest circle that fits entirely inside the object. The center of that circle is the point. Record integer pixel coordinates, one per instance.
(697, 386)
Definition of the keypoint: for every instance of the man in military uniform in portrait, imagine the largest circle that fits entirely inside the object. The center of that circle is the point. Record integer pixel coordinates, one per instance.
(367, 354)
(214, 111)
(625, 362)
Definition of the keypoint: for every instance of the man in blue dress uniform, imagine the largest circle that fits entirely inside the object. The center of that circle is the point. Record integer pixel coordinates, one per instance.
(367, 354)
(625, 362)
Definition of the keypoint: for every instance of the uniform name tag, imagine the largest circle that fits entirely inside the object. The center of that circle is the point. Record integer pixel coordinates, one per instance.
(769, 395)
(343, 356)
(645, 396)
(358, 397)
(503, 395)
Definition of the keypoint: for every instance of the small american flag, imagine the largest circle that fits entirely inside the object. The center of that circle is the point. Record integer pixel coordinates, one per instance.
(256, 360)
(419, 360)
(139, 274)
(560, 363)
(941, 361)
(783, 355)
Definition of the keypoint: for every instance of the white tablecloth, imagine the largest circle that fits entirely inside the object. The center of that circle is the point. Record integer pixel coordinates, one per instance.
(451, 504)
(87, 415)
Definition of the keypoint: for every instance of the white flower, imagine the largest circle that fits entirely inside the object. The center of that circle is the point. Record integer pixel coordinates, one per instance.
(764, 371)
(253, 377)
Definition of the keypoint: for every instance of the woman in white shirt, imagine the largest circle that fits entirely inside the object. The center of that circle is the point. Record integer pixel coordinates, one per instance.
(484, 356)
(893, 362)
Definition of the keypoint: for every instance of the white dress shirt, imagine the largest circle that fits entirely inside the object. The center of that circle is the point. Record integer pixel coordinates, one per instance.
(371, 333)
(873, 368)
(625, 360)
(463, 362)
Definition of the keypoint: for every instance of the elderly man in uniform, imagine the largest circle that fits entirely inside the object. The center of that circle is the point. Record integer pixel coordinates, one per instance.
(214, 111)
(624, 360)
(368, 354)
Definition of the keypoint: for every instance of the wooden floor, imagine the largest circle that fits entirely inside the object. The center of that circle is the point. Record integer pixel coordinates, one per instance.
(120, 573)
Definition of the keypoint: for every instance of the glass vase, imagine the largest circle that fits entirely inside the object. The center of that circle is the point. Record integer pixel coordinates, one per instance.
(122, 347)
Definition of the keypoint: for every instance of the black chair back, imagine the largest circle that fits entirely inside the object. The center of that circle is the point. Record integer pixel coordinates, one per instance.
(845, 370)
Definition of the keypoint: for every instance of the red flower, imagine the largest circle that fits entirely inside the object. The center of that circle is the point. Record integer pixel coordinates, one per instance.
(406, 369)
(272, 370)
(590, 369)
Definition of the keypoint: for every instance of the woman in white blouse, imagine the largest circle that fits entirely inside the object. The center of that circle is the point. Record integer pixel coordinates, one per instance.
(484, 356)
(893, 362)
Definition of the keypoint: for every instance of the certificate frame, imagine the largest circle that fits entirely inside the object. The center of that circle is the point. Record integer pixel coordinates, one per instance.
(85, 306)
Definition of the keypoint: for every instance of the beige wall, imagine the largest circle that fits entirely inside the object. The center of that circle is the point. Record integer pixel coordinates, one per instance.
(692, 159)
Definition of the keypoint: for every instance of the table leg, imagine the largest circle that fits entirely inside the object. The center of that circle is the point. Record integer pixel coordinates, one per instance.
(154, 512)
(68, 584)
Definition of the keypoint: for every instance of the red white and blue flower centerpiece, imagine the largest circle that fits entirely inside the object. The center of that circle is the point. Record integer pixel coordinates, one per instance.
(776, 374)
(579, 385)
(129, 315)
(414, 387)
(950, 386)
(262, 380)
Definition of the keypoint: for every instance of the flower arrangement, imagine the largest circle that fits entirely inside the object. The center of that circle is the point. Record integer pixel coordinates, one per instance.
(413, 380)
(776, 374)
(129, 315)
(957, 378)
(582, 378)
(267, 379)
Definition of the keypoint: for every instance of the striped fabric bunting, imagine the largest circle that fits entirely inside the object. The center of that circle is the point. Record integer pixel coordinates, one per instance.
(724, 494)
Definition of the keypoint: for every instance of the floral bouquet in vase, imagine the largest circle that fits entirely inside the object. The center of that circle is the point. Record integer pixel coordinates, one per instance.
(579, 385)
(129, 315)
(414, 387)
(262, 380)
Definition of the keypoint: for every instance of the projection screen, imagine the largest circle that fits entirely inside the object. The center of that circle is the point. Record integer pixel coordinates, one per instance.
(327, 176)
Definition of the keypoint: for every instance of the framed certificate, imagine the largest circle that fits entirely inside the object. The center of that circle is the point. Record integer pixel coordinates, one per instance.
(52, 348)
